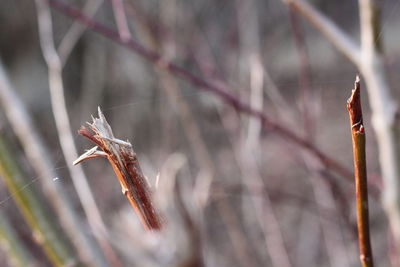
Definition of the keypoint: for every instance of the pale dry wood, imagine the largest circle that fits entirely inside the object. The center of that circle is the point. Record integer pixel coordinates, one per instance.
(76, 30)
(66, 139)
(384, 112)
(343, 42)
(38, 155)
(369, 59)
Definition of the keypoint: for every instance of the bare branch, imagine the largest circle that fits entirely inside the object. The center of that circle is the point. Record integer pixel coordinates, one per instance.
(250, 151)
(370, 61)
(369, 25)
(384, 112)
(64, 129)
(202, 84)
(360, 169)
(120, 18)
(76, 30)
(38, 156)
(327, 27)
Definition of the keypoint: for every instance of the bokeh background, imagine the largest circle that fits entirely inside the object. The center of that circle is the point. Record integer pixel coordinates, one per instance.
(233, 193)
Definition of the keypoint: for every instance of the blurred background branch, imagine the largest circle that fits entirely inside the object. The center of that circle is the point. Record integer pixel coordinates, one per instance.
(39, 158)
(369, 60)
(60, 112)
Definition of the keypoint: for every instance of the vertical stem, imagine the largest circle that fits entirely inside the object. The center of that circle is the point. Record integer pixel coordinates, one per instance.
(66, 139)
(37, 154)
(360, 174)
(384, 111)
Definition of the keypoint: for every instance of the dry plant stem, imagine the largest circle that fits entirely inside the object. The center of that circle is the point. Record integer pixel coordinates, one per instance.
(126, 166)
(324, 189)
(226, 211)
(120, 18)
(263, 206)
(206, 59)
(360, 173)
(270, 226)
(251, 67)
(76, 30)
(38, 155)
(229, 218)
(250, 144)
(369, 59)
(228, 215)
(202, 84)
(64, 130)
(343, 42)
(384, 112)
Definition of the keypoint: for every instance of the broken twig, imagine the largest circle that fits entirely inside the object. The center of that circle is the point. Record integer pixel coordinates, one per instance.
(126, 166)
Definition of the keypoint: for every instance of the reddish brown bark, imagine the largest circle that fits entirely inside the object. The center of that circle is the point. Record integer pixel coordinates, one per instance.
(126, 166)
(360, 174)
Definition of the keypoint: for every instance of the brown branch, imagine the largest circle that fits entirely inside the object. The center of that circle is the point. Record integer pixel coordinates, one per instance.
(220, 90)
(126, 166)
(360, 169)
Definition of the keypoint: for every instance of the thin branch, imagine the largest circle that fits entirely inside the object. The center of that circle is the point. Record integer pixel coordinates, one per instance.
(385, 112)
(342, 41)
(64, 129)
(360, 168)
(369, 60)
(221, 91)
(76, 30)
(38, 155)
(120, 18)
(369, 26)
(248, 151)
(126, 166)
(251, 69)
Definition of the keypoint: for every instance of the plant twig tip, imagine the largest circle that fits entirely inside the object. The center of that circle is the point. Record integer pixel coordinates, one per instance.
(360, 172)
(126, 167)
(91, 153)
(101, 115)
